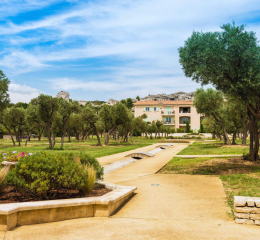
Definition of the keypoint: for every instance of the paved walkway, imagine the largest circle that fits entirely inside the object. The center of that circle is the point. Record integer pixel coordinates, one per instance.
(233, 155)
(180, 207)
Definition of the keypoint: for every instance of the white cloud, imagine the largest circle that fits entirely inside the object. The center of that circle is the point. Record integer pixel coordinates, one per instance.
(13, 7)
(139, 38)
(21, 61)
(22, 93)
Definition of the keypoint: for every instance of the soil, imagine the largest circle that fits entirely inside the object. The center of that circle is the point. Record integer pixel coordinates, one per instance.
(11, 196)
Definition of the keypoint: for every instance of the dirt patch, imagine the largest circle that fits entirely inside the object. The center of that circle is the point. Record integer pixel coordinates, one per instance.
(11, 196)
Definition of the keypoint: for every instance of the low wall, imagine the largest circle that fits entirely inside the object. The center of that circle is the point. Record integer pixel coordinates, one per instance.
(6, 136)
(247, 210)
(27, 213)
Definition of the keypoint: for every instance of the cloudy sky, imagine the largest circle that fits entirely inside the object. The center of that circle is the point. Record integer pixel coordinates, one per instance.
(103, 49)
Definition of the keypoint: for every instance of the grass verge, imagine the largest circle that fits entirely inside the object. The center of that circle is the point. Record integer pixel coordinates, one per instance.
(218, 148)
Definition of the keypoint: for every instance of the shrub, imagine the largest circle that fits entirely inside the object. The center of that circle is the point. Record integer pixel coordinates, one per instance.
(170, 137)
(88, 160)
(92, 177)
(41, 174)
(3, 173)
(159, 137)
(151, 137)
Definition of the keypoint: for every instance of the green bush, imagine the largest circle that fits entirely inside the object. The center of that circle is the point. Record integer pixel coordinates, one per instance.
(41, 174)
(151, 137)
(170, 137)
(88, 161)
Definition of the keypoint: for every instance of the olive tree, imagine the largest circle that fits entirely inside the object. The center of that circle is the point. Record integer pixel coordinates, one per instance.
(230, 61)
(211, 103)
(13, 120)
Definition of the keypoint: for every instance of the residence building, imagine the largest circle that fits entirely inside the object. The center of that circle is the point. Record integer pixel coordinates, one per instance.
(172, 113)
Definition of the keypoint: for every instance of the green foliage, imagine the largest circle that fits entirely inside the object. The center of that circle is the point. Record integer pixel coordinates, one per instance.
(230, 60)
(3, 173)
(4, 96)
(41, 174)
(138, 98)
(201, 128)
(187, 128)
(21, 105)
(88, 161)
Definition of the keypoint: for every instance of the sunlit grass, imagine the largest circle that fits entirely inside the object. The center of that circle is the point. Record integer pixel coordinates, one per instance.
(88, 145)
(209, 148)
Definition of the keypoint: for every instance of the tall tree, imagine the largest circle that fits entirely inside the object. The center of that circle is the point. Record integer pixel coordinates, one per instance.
(211, 103)
(13, 120)
(230, 61)
(91, 117)
(46, 110)
(4, 96)
(65, 109)
(112, 117)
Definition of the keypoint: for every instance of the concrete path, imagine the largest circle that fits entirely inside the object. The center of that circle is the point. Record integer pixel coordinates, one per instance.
(233, 155)
(180, 207)
(119, 156)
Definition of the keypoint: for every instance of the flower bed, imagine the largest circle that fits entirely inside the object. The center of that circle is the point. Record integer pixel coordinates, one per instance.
(43, 176)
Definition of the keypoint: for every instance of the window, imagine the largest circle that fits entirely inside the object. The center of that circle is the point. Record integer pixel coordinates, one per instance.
(185, 119)
(154, 118)
(168, 119)
(155, 109)
(147, 109)
(185, 110)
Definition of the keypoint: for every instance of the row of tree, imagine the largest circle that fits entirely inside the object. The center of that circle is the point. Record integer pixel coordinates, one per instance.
(52, 117)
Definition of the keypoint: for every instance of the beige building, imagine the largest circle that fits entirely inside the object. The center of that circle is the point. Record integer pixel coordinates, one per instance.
(171, 113)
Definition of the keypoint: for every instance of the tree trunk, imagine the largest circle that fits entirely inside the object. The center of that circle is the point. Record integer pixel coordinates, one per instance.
(28, 137)
(117, 135)
(245, 130)
(53, 137)
(12, 137)
(254, 139)
(234, 139)
(47, 129)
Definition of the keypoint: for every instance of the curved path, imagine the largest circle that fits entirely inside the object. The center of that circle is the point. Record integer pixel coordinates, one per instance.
(177, 207)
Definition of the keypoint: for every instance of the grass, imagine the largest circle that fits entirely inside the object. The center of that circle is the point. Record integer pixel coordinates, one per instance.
(88, 145)
(216, 148)
(239, 177)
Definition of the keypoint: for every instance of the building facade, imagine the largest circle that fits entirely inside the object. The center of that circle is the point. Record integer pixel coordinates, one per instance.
(172, 113)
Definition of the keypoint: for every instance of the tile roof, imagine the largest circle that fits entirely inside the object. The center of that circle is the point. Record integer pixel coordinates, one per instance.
(162, 102)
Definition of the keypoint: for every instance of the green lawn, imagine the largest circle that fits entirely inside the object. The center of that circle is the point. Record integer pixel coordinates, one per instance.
(77, 146)
(239, 177)
(209, 148)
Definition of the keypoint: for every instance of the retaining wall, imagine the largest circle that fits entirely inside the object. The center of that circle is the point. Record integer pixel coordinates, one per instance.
(247, 210)
(27, 213)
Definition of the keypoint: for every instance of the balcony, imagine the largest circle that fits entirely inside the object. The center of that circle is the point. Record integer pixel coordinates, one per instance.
(169, 123)
(168, 113)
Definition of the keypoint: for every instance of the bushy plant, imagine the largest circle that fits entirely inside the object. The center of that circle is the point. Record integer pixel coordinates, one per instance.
(88, 161)
(170, 137)
(151, 137)
(92, 177)
(41, 174)
(3, 173)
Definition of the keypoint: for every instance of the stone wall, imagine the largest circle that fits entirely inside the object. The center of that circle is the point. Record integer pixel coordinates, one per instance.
(7, 137)
(247, 210)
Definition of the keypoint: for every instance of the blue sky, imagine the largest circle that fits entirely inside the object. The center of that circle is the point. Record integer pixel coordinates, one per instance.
(106, 49)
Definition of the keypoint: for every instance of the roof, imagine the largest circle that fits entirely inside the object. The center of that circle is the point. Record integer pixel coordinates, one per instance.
(139, 103)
